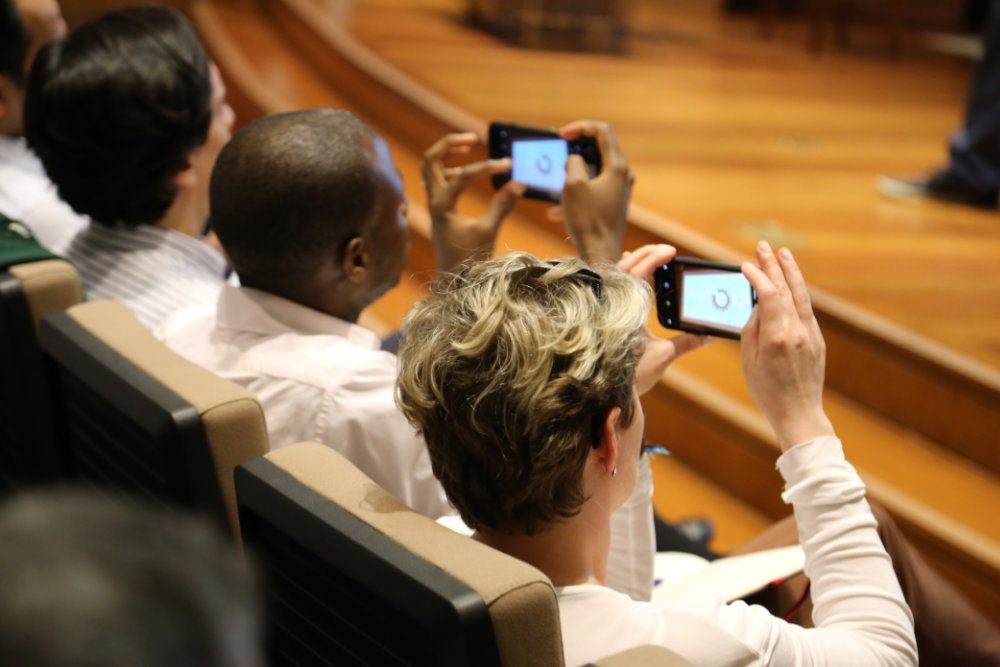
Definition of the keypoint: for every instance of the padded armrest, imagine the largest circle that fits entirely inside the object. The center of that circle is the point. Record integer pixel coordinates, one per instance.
(640, 656)
(520, 598)
(49, 286)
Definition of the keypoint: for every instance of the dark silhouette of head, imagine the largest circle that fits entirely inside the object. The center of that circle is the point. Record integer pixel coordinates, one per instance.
(91, 580)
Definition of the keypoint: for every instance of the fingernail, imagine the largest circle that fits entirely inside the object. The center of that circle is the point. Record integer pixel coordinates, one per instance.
(786, 254)
(764, 246)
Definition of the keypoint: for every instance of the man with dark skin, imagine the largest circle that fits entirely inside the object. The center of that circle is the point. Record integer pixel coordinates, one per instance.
(310, 209)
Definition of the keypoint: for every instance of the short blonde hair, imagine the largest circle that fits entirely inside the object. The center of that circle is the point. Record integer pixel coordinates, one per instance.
(509, 371)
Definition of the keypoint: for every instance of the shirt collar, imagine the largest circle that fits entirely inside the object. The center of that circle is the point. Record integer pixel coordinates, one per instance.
(15, 151)
(251, 310)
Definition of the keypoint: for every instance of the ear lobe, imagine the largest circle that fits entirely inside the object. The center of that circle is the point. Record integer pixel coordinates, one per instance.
(186, 178)
(6, 95)
(607, 448)
(355, 260)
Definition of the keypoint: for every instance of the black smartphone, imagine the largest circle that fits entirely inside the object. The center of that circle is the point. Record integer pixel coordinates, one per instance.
(703, 297)
(539, 158)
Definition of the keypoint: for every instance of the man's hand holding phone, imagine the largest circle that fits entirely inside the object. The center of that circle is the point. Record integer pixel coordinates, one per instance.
(595, 210)
(583, 167)
(784, 355)
(459, 238)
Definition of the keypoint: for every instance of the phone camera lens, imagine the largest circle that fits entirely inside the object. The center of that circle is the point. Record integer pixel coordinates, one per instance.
(666, 284)
(669, 322)
(503, 133)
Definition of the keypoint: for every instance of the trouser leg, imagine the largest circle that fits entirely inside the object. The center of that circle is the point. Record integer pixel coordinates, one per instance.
(975, 148)
(950, 631)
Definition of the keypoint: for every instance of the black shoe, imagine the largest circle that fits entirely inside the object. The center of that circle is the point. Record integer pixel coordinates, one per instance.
(939, 185)
(699, 531)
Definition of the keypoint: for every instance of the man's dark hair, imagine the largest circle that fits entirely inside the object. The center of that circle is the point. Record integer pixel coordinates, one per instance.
(289, 191)
(13, 42)
(91, 580)
(114, 110)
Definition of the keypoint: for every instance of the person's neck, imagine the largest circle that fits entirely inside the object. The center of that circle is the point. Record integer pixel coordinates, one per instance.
(184, 216)
(327, 298)
(570, 551)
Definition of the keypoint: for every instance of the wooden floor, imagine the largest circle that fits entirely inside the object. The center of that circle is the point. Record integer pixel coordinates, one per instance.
(743, 139)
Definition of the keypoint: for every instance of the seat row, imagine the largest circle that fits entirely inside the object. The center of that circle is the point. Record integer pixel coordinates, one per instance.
(352, 575)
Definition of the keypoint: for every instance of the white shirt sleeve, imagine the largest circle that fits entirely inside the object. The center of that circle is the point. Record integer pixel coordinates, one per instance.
(633, 540)
(858, 606)
(859, 610)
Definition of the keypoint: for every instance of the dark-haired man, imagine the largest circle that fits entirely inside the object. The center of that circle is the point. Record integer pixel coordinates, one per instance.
(128, 114)
(25, 191)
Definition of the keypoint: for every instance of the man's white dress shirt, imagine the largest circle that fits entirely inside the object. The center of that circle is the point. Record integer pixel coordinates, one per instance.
(859, 610)
(28, 196)
(318, 378)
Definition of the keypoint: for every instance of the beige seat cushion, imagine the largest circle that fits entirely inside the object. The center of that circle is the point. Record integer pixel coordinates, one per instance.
(49, 286)
(644, 655)
(520, 598)
(232, 417)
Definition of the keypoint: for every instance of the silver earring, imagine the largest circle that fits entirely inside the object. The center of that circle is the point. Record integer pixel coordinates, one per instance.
(614, 471)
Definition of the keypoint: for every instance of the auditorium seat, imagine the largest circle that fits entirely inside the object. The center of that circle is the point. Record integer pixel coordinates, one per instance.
(29, 291)
(134, 416)
(356, 577)
(353, 576)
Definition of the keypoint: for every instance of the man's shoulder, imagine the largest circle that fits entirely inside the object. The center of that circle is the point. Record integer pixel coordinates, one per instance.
(329, 362)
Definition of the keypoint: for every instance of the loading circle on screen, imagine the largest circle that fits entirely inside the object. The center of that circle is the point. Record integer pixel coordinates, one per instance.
(543, 164)
(721, 299)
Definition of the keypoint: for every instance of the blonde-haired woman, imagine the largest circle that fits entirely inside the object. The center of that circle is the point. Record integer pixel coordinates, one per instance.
(524, 377)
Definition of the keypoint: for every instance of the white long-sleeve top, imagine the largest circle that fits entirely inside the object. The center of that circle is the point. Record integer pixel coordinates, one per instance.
(859, 610)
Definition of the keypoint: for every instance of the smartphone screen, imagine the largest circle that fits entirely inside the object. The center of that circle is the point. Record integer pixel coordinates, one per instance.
(714, 298)
(539, 157)
(540, 163)
(703, 297)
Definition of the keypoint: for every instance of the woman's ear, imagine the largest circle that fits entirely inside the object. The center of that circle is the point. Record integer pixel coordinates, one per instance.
(607, 447)
(355, 260)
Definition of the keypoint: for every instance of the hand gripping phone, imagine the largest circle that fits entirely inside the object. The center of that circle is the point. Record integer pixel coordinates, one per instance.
(703, 297)
(539, 158)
